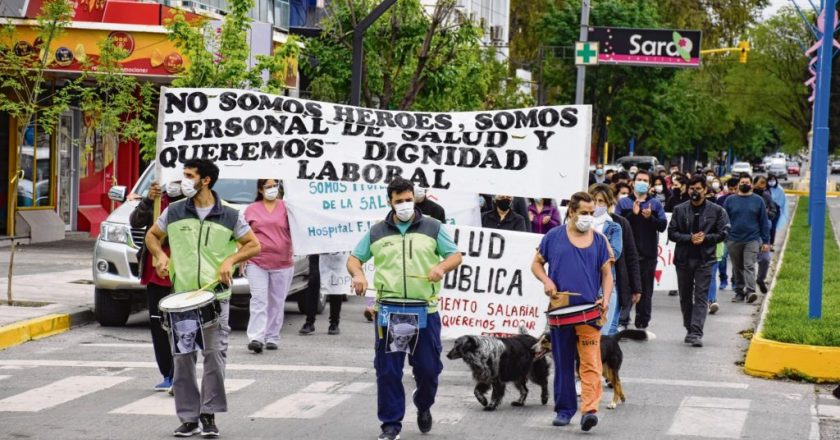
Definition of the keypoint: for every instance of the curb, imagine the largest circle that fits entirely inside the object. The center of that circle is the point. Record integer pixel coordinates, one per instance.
(796, 192)
(42, 327)
(770, 359)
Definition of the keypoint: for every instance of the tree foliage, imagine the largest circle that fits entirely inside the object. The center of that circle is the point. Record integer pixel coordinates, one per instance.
(414, 59)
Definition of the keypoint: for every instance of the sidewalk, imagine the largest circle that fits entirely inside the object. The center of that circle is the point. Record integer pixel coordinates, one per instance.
(57, 273)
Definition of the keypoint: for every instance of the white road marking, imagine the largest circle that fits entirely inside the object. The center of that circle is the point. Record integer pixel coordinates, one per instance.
(710, 417)
(58, 392)
(229, 367)
(829, 411)
(815, 424)
(162, 404)
(313, 401)
(120, 345)
(687, 383)
(4, 377)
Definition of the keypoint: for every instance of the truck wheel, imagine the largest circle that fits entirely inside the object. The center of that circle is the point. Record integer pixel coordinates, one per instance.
(109, 311)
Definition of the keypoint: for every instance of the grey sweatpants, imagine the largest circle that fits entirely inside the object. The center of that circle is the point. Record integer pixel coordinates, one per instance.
(743, 256)
(211, 399)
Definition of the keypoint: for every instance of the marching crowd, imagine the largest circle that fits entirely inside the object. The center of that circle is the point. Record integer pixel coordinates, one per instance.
(602, 250)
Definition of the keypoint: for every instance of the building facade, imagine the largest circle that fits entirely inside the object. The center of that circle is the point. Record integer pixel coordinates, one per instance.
(66, 175)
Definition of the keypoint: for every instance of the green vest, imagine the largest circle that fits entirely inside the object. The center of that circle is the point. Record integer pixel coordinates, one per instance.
(403, 261)
(199, 247)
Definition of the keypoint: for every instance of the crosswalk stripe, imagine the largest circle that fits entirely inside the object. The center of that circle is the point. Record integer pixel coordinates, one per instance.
(58, 392)
(4, 377)
(311, 402)
(162, 404)
(229, 367)
(710, 417)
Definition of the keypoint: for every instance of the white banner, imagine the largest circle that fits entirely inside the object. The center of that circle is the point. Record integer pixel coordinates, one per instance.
(335, 280)
(493, 291)
(533, 152)
(665, 277)
(327, 217)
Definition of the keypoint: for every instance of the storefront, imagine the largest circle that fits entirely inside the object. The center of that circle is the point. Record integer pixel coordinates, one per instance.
(65, 176)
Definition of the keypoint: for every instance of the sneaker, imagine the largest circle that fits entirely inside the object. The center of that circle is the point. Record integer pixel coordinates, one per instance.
(561, 420)
(752, 297)
(688, 339)
(333, 330)
(723, 285)
(588, 421)
(165, 385)
(271, 346)
(424, 421)
(187, 429)
(171, 391)
(762, 286)
(369, 314)
(738, 298)
(208, 425)
(307, 328)
(672, 293)
(255, 346)
(697, 342)
(713, 308)
(389, 434)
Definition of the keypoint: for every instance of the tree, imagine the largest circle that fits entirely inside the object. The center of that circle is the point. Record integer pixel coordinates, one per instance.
(414, 59)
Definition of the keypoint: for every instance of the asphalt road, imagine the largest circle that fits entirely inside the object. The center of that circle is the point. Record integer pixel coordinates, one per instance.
(95, 383)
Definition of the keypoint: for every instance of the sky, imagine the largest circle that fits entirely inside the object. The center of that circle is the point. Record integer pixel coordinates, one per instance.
(776, 4)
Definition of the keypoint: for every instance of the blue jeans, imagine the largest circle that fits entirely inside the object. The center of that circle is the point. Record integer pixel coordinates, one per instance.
(713, 284)
(389, 373)
(722, 266)
(613, 311)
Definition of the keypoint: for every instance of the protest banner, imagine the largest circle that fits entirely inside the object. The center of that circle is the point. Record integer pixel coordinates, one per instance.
(665, 276)
(493, 291)
(327, 217)
(335, 280)
(532, 152)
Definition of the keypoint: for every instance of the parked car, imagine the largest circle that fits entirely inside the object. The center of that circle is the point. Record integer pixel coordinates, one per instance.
(647, 163)
(778, 169)
(116, 275)
(759, 166)
(793, 168)
(835, 167)
(740, 168)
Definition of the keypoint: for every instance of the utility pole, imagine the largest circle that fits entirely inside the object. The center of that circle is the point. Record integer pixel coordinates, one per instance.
(358, 49)
(584, 36)
(820, 160)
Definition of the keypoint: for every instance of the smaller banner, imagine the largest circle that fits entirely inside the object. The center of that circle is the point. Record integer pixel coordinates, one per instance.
(647, 47)
(493, 291)
(665, 277)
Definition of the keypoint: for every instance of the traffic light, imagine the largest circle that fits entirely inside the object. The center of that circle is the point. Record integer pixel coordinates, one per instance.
(745, 49)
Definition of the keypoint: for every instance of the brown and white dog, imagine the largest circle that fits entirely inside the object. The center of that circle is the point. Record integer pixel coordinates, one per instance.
(611, 357)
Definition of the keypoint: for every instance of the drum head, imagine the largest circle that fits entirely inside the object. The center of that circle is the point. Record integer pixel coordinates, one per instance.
(403, 302)
(185, 300)
(571, 309)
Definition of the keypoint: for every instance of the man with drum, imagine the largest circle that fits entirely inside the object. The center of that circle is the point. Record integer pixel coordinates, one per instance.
(407, 248)
(579, 266)
(203, 236)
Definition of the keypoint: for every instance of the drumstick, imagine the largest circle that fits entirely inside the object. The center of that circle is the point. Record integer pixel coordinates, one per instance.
(419, 277)
(203, 288)
(568, 293)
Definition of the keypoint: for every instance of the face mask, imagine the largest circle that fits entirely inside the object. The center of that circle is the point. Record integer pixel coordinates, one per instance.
(715, 186)
(188, 188)
(658, 188)
(695, 196)
(758, 191)
(642, 187)
(584, 222)
(772, 183)
(623, 196)
(419, 193)
(271, 193)
(744, 187)
(404, 211)
(710, 178)
(503, 204)
(173, 189)
(599, 172)
(600, 211)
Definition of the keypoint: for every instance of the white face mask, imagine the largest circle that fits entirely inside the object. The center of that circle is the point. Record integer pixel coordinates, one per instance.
(584, 222)
(658, 188)
(173, 189)
(419, 193)
(404, 211)
(271, 193)
(188, 188)
(716, 186)
(623, 196)
(601, 211)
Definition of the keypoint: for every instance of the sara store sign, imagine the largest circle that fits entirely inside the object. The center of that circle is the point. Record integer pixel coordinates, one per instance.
(647, 47)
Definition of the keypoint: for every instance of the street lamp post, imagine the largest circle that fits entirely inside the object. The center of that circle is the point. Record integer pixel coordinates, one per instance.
(358, 49)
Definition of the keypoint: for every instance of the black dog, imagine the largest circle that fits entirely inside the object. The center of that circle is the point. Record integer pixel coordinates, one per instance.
(611, 357)
(495, 361)
(836, 392)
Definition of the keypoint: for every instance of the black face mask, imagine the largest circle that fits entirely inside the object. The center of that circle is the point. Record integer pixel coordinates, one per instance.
(744, 187)
(503, 204)
(759, 191)
(695, 196)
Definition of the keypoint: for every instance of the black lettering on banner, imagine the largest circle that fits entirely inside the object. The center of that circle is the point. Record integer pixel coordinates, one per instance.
(171, 129)
(168, 157)
(233, 127)
(372, 173)
(570, 117)
(191, 128)
(471, 250)
(516, 160)
(443, 121)
(314, 109)
(543, 136)
(350, 172)
(314, 148)
(227, 101)
(497, 246)
(483, 121)
(249, 151)
(182, 152)
(196, 102)
(247, 102)
(229, 152)
(209, 151)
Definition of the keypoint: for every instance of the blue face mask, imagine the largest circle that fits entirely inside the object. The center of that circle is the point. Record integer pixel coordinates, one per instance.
(599, 172)
(642, 187)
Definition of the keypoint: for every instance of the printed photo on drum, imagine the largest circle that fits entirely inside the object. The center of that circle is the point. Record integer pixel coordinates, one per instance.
(187, 336)
(403, 330)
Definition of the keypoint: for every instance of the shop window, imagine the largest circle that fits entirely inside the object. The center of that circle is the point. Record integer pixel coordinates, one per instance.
(36, 163)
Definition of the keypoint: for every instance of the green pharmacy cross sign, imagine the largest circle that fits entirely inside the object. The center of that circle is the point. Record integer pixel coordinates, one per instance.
(586, 53)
